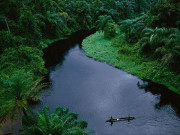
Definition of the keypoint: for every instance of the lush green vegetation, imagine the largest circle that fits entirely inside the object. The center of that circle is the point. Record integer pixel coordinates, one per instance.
(27, 26)
(147, 46)
(60, 122)
(119, 53)
(17, 93)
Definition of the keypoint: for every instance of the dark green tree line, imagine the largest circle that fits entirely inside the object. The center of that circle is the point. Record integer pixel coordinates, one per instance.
(25, 25)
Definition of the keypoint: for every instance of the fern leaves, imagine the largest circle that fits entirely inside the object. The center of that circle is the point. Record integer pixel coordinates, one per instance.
(61, 122)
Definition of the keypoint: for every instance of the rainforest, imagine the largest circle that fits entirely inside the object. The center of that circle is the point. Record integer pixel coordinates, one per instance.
(67, 66)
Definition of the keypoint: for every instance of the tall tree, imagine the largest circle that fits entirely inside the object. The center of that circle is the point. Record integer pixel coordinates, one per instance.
(17, 92)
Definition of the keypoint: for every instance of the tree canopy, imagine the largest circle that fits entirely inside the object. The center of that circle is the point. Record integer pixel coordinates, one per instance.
(25, 26)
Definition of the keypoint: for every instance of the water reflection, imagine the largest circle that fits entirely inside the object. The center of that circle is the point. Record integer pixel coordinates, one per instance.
(56, 52)
(166, 97)
(97, 91)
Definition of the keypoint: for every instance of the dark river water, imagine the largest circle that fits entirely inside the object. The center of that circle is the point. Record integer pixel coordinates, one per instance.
(96, 91)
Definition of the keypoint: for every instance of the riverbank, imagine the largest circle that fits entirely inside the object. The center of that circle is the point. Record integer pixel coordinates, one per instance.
(120, 54)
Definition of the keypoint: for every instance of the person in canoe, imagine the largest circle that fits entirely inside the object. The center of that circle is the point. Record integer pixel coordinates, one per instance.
(111, 120)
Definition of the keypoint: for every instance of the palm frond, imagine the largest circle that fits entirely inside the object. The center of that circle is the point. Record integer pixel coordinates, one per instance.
(60, 122)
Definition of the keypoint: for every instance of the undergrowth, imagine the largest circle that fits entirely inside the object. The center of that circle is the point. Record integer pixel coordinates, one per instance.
(118, 53)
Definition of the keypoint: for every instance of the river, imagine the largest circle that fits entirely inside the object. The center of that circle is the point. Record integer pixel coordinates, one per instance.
(97, 91)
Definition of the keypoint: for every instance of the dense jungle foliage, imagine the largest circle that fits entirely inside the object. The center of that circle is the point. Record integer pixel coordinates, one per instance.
(157, 32)
(26, 27)
(147, 45)
(60, 122)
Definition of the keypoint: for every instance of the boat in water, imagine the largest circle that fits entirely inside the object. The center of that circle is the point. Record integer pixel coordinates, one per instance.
(112, 120)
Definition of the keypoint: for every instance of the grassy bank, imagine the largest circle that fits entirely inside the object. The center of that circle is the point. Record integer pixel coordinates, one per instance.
(120, 54)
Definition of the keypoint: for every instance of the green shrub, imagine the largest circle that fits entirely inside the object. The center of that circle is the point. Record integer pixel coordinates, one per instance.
(102, 21)
(23, 57)
(163, 43)
(133, 28)
(111, 30)
(17, 91)
(60, 122)
(164, 14)
(7, 39)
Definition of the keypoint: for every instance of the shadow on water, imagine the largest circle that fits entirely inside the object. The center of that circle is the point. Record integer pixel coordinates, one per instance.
(55, 52)
(166, 97)
(104, 91)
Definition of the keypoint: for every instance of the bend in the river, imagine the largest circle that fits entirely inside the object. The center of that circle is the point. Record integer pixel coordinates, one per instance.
(97, 91)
